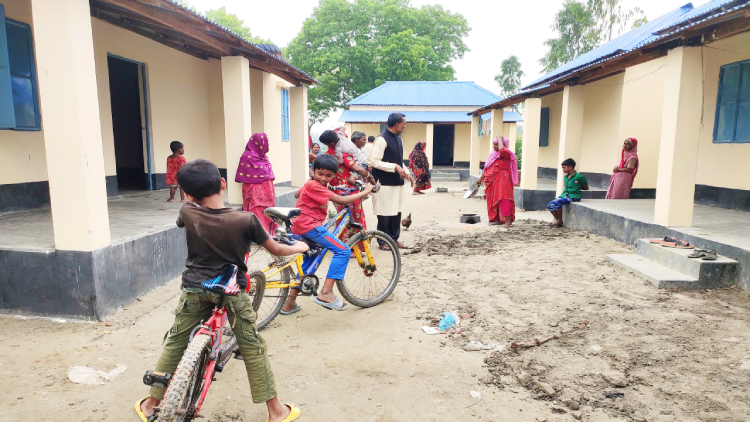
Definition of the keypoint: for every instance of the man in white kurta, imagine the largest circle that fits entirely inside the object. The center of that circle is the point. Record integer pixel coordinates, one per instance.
(387, 168)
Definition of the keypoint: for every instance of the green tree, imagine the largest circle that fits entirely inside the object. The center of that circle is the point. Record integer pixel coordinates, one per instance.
(353, 46)
(583, 27)
(233, 23)
(509, 77)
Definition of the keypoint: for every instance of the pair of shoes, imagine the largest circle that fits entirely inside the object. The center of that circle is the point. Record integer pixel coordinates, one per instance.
(705, 254)
(679, 244)
(661, 241)
(384, 247)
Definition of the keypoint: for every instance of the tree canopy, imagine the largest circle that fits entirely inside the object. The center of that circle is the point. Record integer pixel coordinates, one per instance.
(582, 27)
(352, 47)
(509, 77)
(229, 21)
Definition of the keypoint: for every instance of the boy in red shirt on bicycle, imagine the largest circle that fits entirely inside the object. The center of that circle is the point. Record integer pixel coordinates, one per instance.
(218, 237)
(313, 203)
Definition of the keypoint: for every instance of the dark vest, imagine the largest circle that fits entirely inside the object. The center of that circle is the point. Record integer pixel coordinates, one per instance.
(393, 153)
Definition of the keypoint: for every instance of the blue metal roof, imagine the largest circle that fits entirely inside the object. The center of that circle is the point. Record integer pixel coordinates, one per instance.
(427, 93)
(363, 116)
(625, 42)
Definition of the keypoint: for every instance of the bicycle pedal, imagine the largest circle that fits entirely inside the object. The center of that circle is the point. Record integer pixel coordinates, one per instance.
(157, 379)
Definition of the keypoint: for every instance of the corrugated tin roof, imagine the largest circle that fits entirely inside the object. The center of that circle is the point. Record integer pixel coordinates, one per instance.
(427, 93)
(363, 116)
(625, 42)
(711, 6)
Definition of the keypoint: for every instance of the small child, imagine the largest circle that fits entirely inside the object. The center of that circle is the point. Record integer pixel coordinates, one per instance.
(174, 162)
(573, 182)
(224, 236)
(313, 203)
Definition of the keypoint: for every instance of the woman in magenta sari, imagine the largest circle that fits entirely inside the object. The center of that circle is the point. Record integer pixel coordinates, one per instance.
(500, 175)
(624, 174)
(256, 176)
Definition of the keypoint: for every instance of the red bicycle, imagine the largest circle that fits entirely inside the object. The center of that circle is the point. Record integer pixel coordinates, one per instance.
(210, 348)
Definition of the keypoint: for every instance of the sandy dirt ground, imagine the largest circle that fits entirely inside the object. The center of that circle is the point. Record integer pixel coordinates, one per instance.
(645, 355)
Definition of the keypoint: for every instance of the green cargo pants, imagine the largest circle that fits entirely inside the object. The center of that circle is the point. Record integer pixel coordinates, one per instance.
(197, 305)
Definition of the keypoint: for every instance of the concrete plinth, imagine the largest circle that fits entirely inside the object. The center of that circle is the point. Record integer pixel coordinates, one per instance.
(660, 276)
(713, 274)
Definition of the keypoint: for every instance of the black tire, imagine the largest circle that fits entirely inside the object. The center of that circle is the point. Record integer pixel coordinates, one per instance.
(257, 288)
(186, 385)
(363, 290)
(270, 301)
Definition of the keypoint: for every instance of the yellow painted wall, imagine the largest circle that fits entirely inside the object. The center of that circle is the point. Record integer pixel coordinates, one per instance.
(216, 115)
(278, 150)
(462, 144)
(640, 118)
(413, 133)
(548, 156)
(414, 108)
(370, 129)
(600, 145)
(722, 165)
(22, 154)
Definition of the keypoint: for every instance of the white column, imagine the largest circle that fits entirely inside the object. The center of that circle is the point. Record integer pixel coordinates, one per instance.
(298, 132)
(678, 148)
(70, 119)
(497, 125)
(235, 77)
(571, 129)
(257, 98)
(532, 119)
(429, 139)
(474, 146)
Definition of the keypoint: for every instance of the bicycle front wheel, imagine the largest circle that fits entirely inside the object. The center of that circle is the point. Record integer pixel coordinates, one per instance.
(371, 285)
(185, 388)
(267, 302)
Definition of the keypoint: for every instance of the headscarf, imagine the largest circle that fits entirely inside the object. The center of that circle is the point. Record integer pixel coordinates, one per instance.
(513, 161)
(494, 155)
(254, 165)
(625, 156)
(421, 146)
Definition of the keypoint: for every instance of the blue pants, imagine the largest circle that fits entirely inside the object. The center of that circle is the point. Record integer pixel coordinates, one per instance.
(340, 251)
(558, 203)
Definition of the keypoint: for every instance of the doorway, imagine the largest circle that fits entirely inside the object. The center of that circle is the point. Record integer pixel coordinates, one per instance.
(129, 110)
(442, 144)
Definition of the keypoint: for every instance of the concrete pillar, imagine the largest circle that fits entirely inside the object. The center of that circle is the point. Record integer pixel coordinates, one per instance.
(70, 118)
(257, 106)
(678, 149)
(497, 125)
(532, 119)
(235, 77)
(474, 146)
(429, 138)
(512, 130)
(571, 129)
(298, 133)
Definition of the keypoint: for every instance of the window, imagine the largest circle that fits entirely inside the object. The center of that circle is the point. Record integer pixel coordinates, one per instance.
(285, 115)
(733, 104)
(544, 128)
(19, 104)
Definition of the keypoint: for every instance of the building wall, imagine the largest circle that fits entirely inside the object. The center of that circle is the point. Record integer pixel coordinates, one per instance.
(600, 145)
(278, 150)
(370, 129)
(721, 165)
(462, 144)
(413, 133)
(216, 114)
(640, 118)
(548, 156)
(22, 153)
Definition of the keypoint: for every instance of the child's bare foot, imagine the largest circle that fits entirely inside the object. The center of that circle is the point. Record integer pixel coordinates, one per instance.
(183, 200)
(556, 223)
(170, 200)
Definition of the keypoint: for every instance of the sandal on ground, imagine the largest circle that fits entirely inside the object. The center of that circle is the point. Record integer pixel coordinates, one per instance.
(680, 244)
(138, 410)
(401, 245)
(710, 255)
(384, 247)
(293, 414)
(336, 305)
(665, 240)
(297, 308)
(698, 253)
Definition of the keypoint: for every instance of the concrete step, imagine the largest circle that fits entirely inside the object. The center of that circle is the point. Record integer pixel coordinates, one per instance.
(659, 275)
(722, 272)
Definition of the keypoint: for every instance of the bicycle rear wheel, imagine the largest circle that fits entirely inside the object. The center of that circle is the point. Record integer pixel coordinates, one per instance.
(270, 300)
(368, 286)
(185, 389)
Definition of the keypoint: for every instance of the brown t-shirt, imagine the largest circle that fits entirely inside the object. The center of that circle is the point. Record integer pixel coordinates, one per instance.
(217, 238)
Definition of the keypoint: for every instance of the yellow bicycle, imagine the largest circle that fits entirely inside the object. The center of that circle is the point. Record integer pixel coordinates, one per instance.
(371, 276)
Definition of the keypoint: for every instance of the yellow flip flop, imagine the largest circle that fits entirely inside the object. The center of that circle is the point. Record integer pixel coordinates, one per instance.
(138, 410)
(293, 414)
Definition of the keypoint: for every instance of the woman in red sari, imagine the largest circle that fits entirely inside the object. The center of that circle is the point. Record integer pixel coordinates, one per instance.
(624, 174)
(420, 166)
(500, 175)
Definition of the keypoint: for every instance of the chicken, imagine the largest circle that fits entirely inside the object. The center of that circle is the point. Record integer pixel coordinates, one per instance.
(406, 222)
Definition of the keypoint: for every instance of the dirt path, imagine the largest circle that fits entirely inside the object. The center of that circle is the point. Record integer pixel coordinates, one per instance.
(684, 356)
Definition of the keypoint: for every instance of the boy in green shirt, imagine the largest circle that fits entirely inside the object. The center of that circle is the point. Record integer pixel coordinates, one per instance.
(573, 183)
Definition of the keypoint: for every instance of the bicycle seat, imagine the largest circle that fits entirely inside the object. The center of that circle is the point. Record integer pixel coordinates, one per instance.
(226, 283)
(282, 213)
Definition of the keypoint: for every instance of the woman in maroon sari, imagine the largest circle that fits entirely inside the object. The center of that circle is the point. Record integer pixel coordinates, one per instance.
(420, 166)
(500, 175)
(256, 175)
